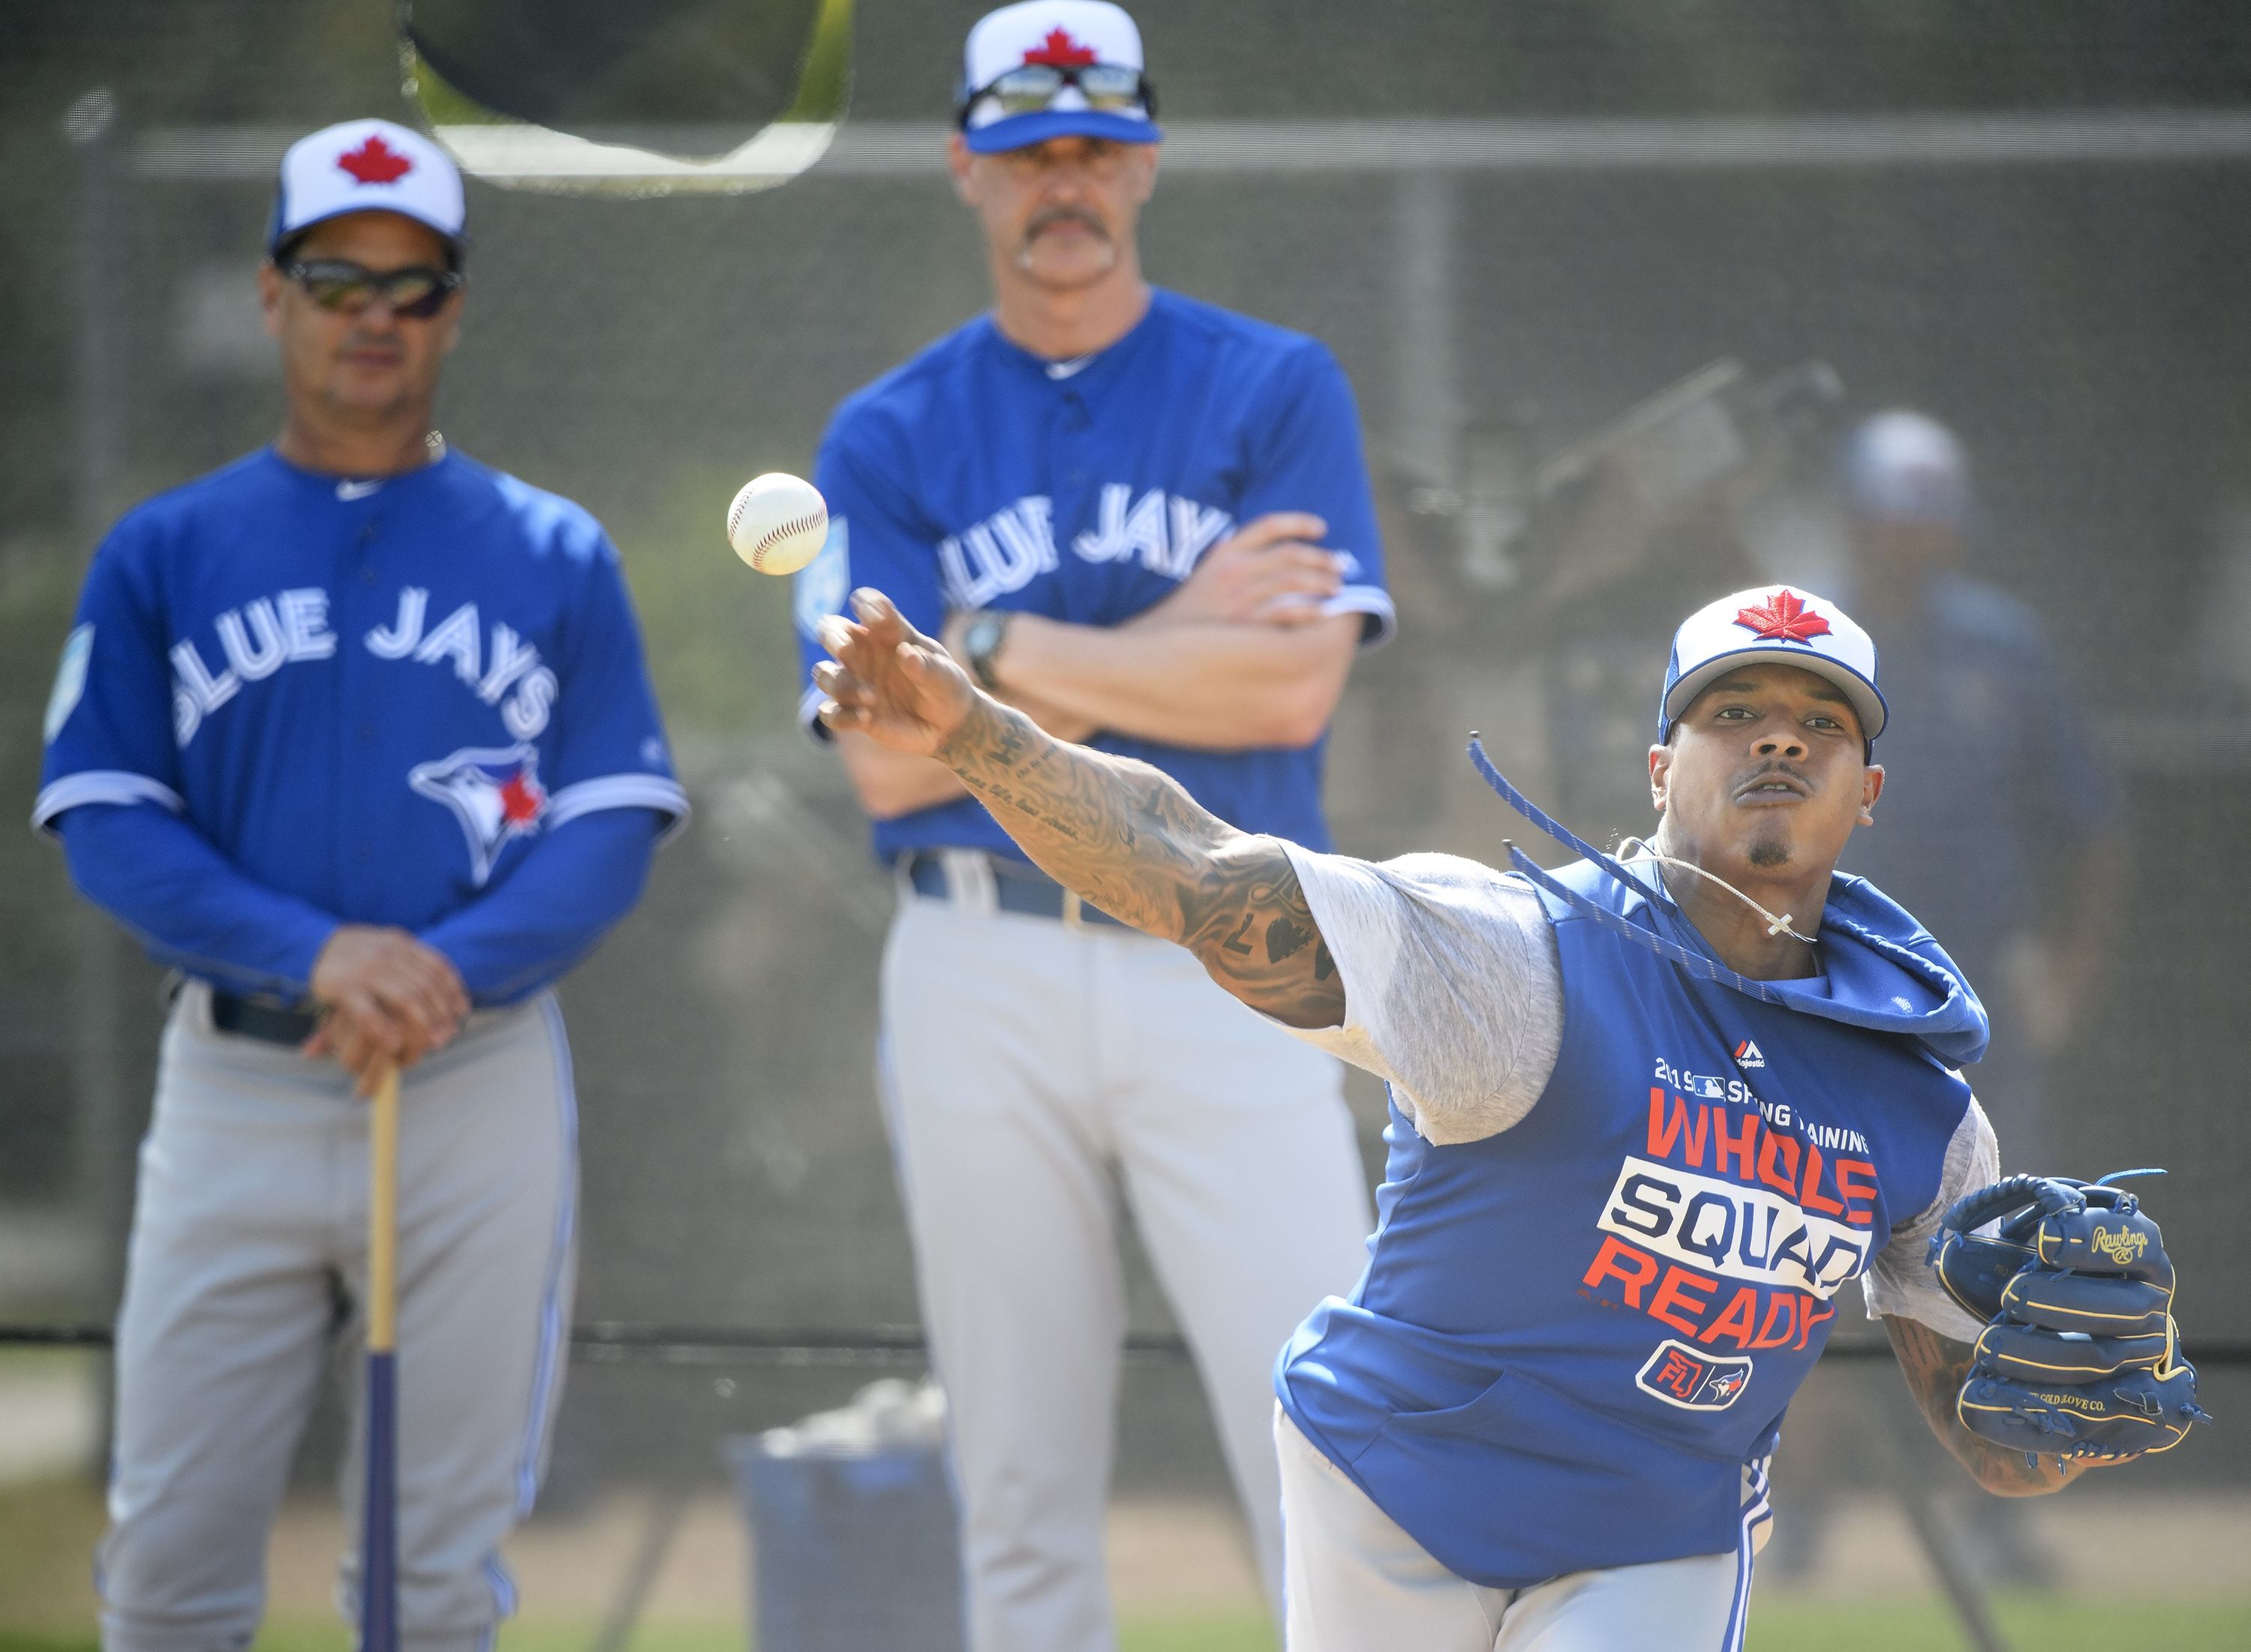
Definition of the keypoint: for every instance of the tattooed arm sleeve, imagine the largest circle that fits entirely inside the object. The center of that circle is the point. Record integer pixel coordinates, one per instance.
(1128, 839)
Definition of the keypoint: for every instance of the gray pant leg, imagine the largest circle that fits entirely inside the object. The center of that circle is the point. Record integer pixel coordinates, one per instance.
(1693, 1604)
(220, 1339)
(1003, 1163)
(1244, 1174)
(488, 1190)
(253, 1186)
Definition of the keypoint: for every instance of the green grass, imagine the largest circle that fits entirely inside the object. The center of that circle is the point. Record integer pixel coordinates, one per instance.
(1779, 1625)
(47, 1533)
(2028, 1621)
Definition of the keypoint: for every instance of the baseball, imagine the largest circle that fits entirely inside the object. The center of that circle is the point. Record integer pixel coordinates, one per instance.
(777, 523)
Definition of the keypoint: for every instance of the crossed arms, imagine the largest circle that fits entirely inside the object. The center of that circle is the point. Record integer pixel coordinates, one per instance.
(1240, 656)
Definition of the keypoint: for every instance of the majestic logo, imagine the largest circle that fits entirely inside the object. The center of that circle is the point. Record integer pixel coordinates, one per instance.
(375, 161)
(1747, 1055)
(1782, 618)
(1692, 1379)
(1060, 51)
(495, 795)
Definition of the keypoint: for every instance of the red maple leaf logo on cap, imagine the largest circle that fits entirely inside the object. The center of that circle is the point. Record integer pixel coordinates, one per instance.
(521, 799)
(1782, 616)
(1061, 51)
(375, 161)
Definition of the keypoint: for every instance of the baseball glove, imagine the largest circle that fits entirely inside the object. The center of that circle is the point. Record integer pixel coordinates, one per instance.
(2079, 1356)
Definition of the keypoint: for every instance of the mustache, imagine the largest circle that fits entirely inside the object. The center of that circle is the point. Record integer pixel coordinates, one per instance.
(1776, 766)
(1048, 217)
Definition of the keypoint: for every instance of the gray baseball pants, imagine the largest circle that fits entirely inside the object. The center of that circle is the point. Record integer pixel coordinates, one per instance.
(1034, 1070)
(251, 1211)
(1359, 1583)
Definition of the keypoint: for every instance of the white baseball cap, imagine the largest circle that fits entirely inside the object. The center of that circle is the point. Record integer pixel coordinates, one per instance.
(1066, 34)
(1907, 467)
(1782, 624)
(367, 166)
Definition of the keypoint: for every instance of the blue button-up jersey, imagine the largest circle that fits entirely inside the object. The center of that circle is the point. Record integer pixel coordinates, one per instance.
(979, 476)
(369, 695)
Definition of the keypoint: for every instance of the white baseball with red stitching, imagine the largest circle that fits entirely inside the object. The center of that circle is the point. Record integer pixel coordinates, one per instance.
(777, 523)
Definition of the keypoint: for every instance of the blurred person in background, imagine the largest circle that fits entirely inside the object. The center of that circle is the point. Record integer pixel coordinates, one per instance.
(2003, 824)
(1998, 826)
(1146, 521)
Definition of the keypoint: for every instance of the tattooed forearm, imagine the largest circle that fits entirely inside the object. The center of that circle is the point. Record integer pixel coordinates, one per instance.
(1128, 839)
(1935, 1367)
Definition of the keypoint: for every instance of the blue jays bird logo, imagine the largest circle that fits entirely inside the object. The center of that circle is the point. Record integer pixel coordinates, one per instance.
(1694, 1379)
(495, 795)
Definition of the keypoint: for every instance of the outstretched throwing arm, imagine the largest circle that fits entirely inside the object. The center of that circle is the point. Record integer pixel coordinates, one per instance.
(1113, 831)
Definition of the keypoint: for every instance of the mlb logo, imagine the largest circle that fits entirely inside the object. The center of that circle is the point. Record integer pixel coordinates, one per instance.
(1683, 1376)
(495, 795)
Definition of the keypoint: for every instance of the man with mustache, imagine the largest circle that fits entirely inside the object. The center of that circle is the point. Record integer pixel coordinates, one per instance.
(1649, 1115)
(1146, 523)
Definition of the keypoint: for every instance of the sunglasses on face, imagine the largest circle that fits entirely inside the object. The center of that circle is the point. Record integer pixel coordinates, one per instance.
(1032, 87)
(336, 284)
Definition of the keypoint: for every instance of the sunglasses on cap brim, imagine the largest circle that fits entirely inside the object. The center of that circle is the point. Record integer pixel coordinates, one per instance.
(417, 292)
(1031, 87)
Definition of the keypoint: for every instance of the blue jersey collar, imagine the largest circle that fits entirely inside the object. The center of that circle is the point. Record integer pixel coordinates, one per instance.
(1096, 366)
(348, 488)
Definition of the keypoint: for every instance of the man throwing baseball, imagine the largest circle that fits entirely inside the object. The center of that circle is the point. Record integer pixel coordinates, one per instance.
(1147, 523)
(355, 734)
(1648, 1116)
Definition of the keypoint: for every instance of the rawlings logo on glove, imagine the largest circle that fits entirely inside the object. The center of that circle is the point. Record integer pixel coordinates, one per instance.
(2079, 1356)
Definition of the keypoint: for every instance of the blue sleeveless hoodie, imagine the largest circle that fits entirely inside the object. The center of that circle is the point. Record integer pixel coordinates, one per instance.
(1572, 1338)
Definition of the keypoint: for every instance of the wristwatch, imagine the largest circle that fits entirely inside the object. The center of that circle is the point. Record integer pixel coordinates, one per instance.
(980, 645)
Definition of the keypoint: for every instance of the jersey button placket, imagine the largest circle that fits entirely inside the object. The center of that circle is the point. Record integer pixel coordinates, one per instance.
(357, 781)
(1071, 426)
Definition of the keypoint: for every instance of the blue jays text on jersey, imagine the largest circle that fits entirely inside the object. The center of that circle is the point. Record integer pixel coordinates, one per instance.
(368, 696)
(978, 475)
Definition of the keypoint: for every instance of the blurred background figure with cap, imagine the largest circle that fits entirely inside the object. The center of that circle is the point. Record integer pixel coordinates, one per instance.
(1146, 523)
(354, 734)
(2000, 826)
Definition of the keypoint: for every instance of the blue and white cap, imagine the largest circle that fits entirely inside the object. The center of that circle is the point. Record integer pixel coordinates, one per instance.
(1064, 34)
(1904, 467)
(363, 166)
(1781, 625)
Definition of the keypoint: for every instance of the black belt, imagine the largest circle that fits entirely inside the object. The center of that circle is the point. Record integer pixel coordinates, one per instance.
(269, 1022)
(1016, 887)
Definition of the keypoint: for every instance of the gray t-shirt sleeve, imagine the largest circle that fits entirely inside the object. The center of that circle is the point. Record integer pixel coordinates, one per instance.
(1451, 989)
(1900, 1281)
